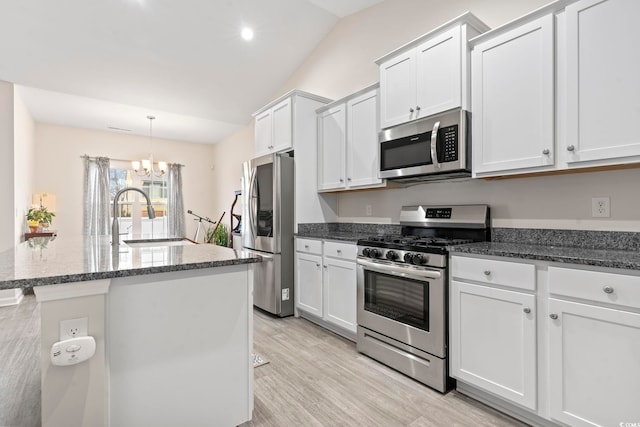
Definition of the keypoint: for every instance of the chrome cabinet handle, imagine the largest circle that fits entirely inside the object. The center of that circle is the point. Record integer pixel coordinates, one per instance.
(527, 310)
(487, 272)
(546, 151)
(571, 148)
(411, 110)
(434, 145)
(608, 290)
(553, 316)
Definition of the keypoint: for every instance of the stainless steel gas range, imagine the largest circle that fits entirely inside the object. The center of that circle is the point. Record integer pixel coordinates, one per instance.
(403, 289)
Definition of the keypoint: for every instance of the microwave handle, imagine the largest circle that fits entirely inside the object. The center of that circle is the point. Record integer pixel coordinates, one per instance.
(434, 145)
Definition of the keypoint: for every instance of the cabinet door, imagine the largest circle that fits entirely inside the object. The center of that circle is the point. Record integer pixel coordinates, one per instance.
(439, 74)
(493, 341)
(331, 148)
(603, 88)
(363, 161)
(309, 283)
(282, 126)
(340, 293)
(263, 133)
(513, 99)
(398, 90)
(594, 364)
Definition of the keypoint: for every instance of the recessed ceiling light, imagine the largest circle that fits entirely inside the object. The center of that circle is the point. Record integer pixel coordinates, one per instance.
(247, 33)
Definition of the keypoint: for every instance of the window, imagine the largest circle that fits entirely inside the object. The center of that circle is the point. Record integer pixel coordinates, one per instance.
(132, 207)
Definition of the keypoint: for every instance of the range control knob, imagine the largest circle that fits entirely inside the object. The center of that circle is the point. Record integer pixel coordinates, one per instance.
(418, 259)
(392, 255)
(408, 257)
(374, 253)
(366, 252)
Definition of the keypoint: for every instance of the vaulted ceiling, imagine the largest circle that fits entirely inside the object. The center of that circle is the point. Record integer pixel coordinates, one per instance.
(109, 64)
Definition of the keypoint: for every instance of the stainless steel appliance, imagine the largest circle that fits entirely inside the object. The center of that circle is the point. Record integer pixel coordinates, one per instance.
(402, 286)
(268, 229)
(433, 148)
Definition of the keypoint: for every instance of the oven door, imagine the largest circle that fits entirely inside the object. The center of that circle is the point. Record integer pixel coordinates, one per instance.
(404, 303)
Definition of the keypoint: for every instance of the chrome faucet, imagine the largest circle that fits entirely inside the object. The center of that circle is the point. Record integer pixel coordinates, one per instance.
(115, 226)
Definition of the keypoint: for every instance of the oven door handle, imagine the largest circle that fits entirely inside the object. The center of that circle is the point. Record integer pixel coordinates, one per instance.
(399, 271)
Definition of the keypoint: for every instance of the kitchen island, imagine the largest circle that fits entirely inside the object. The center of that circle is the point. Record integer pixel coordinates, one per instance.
(172, 326)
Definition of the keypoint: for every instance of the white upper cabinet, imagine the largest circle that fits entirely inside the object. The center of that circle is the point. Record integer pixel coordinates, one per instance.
(348, 155)
(602, 84)
(332, 136)
(275, 123)
(513, 100)
(428, 75)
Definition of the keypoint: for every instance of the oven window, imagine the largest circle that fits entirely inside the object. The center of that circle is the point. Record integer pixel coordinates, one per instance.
(406, 152)
(403, 300)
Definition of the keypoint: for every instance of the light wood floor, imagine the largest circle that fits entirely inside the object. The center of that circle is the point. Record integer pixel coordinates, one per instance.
(314, 378)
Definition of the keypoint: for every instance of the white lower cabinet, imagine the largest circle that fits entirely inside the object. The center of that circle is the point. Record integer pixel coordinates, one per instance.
(566, 351)
(325, 284)
(493, 340)
(594, 350)
(309, 283)
(340, 293)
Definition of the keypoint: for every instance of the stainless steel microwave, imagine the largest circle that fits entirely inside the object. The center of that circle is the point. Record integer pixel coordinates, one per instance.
(433, 148)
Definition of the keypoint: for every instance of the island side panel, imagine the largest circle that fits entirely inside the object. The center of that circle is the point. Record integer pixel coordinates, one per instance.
(74, 395)
(179, 348)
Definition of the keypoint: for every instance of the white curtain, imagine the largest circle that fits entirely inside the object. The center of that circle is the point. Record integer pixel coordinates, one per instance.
(175, 205)
(96, 196)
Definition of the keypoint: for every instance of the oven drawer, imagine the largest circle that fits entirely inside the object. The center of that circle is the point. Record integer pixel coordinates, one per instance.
(311, 246)
(611, 288)
(493, 272)
(347, 251)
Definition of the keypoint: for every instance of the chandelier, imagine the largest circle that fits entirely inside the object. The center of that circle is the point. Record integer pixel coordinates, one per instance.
(146, 166)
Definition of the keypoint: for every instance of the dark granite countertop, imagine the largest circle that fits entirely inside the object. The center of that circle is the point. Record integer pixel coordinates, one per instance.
(63, 259)
(626, 259)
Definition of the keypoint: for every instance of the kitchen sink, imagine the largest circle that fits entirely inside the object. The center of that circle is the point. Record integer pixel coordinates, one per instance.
(146, 243)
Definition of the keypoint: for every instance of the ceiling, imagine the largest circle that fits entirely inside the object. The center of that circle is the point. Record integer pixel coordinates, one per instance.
(110, 64)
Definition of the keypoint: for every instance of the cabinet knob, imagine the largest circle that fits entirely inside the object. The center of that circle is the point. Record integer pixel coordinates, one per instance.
(339, 251)
(571, 148)
(341, 180)
(324, 266)
(553, 316)
(608, 290)
(546, 151)
(306, 246)
(348, 179)
(487, 272)
(317, 265)
(418, 108)
(527, 310)
(411, 110)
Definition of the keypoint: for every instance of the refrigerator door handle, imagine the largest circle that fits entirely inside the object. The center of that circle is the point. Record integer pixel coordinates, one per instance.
(262, 254)
(253, 204)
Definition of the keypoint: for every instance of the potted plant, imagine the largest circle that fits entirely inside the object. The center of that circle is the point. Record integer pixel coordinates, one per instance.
(220, 235)
(39, 217)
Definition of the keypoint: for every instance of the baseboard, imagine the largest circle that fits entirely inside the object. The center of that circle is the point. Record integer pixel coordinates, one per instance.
(351, 336)
(502, 406)
(10, 296)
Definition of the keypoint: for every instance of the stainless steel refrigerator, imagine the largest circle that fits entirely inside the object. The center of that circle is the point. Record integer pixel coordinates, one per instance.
(268, 209)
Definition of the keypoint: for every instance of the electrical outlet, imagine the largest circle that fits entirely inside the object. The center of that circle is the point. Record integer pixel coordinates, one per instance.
(600, 207)
(368, 210)
(73, 328)
(285, 294)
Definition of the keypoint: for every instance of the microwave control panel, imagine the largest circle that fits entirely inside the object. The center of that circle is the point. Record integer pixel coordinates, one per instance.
(449, 140)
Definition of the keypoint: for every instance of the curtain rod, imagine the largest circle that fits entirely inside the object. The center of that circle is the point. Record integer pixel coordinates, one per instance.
(85, 156)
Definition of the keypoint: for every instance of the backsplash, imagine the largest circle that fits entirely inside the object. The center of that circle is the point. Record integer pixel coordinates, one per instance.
(348, 227)
(570, 238)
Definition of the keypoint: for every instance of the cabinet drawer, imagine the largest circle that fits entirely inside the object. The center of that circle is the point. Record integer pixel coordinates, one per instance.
(347, 251)
(504, 273)
(311, 246)
(611, 288)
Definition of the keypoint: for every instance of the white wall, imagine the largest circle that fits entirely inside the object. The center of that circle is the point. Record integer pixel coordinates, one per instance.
(24, 159)
(344, 62)
(7, 191)
(59, 169)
